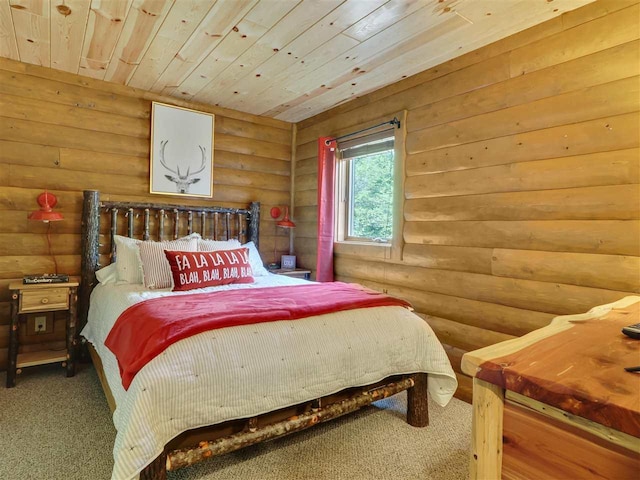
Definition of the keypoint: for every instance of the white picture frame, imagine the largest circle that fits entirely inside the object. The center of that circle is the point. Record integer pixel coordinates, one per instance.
(181, 160)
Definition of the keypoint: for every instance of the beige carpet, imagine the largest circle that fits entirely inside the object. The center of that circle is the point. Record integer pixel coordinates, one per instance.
(53, 427)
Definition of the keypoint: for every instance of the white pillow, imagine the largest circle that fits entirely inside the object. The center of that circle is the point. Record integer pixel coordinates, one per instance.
(108, 274)
(156, 268)
(195, 235)
(213, 245)
(255, 260)
(128, 263)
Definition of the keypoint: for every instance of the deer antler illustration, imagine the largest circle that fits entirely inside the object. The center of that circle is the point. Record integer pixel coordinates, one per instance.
(182, 181)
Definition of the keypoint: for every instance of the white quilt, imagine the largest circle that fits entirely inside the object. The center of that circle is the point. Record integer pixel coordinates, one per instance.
(248, 370)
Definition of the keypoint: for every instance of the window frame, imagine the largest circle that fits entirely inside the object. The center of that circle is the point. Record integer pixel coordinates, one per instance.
(393, 248)
(348, 193)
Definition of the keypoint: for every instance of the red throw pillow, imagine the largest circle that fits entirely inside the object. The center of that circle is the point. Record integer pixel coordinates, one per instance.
(207, 269)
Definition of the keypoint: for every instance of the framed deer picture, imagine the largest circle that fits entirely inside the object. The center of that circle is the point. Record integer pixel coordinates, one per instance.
(181, 151)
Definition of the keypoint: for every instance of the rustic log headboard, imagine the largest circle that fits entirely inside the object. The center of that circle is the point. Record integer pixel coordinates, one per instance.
(101, 220)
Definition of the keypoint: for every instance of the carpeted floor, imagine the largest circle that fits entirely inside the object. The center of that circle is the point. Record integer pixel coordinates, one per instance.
(58, 428)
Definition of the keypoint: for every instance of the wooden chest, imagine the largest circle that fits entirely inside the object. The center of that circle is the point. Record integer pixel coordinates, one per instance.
(557, 403)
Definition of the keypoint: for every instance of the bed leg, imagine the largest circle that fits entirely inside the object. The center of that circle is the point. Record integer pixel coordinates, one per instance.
(156, 470)
(417, 402)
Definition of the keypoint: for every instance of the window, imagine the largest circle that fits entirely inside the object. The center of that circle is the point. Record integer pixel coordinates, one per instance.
(366, 189)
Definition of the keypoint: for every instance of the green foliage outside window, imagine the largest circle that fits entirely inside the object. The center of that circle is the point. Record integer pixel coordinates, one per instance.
(372, 196)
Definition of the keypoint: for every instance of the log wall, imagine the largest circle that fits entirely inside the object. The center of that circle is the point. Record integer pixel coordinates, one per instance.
(521, 187)
(67, 133)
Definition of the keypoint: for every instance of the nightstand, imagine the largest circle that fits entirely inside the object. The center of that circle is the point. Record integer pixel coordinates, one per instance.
(43, 298)
(295, 272)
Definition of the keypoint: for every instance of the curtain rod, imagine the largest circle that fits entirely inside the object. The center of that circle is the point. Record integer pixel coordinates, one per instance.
(395, 121)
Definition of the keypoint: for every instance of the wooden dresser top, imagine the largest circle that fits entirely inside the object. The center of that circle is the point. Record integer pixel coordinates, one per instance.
(575, 364)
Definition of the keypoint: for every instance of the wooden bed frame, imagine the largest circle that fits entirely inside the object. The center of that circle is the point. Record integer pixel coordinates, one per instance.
(154, 221)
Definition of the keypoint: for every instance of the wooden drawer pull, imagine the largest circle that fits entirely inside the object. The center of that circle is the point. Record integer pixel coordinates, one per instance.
(44, 300)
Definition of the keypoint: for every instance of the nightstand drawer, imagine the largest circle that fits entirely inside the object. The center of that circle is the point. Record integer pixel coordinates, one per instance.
(44, 300)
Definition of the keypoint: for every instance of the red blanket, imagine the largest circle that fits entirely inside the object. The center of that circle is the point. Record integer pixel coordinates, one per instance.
(146, 329)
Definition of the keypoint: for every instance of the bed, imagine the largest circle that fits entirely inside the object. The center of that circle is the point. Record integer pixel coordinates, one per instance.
(224, 389)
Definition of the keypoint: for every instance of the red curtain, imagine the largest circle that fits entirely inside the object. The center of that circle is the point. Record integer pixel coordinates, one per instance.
(326, 169)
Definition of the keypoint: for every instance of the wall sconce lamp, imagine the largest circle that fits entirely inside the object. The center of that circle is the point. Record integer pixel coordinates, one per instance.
(46, 214)
(286, 221)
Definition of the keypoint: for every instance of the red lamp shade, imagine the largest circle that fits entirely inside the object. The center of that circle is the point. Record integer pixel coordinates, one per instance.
(286, 221)
(46, 201)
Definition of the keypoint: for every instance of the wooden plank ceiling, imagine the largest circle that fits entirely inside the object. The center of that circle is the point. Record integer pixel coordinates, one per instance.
(286, 59)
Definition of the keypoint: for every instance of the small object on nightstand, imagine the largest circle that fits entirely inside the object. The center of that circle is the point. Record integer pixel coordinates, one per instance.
(295, 273)
(46, 278)
(42, 299)
(288, 262)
